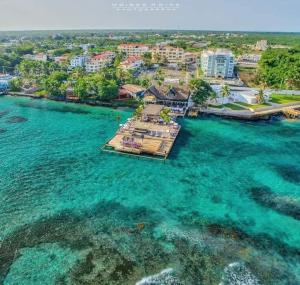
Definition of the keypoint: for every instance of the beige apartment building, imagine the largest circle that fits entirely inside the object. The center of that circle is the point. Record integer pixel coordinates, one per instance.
(133, 49)
(168, 53)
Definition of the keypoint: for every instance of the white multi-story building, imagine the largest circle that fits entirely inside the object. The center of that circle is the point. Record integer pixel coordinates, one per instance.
(133, 49)
(219, 63)
(78, 61)
(132, 62)
(99, 61)
(171, 54)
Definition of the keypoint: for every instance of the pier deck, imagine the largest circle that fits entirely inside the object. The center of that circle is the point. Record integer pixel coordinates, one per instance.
(143, 136)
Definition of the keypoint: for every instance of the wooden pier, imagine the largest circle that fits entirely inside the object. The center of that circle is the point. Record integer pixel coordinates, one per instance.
(145, 135)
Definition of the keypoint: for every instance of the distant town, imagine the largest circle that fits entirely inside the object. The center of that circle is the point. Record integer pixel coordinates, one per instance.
(240, 72)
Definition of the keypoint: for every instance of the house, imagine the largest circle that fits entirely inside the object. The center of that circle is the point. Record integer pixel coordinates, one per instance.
(61, 59)
(175, 97)
(37, 57)
(78, 61)
(133, 49)
(218, 63)
(99, 61)
(132, 62)
(131, 91)
(247, 96)
(169, 54)
(243, 95)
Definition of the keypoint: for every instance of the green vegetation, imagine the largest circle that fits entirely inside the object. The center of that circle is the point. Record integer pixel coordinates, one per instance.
(280, 68)
(284, 99)
(15, 85)
(254, 106)
(225, 92)
(233, 107)
(229, 106)
(41, 93)
(138, 111)
(201, 91)
(165, 115)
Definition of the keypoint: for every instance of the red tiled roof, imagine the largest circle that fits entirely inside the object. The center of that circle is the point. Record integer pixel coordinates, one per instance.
(103, 55)
(131, 59)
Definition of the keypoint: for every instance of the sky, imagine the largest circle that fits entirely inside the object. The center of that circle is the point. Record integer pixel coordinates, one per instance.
(233, 15)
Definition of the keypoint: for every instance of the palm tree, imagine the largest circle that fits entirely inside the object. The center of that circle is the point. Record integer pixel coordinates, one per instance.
(260, 97)
(225, 92)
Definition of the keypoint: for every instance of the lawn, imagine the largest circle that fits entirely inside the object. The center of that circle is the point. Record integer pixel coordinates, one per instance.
(284, 99)
(255, 106)
(230, 106)
(234, 107)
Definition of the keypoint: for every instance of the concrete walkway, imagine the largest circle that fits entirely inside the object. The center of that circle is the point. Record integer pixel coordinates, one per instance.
(250, 115)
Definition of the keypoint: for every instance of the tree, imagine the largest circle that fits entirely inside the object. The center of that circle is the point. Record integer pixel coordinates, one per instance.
(147, 58)
(107, 90)
(55, 84)
(145, 82)
(138, 111)
(260, 97)
(81, 88)
(159, 76)
(280, 68)
(201, 91)
(225, 92)
(165, 115)
(15, 84)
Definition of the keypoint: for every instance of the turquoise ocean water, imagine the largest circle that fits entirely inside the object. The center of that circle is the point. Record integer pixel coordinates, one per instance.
(225, 207)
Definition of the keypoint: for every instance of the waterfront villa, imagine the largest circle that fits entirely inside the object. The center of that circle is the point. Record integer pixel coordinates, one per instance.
(219, 63)
(99, 61)
(242, 95)
(131, 91)
(175, 97)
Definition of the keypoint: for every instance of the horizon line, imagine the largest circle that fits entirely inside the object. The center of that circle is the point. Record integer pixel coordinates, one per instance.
(147, 29)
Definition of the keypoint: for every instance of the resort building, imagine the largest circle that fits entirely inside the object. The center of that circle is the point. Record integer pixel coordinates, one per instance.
(169, 54)
(99, 61)
(133, 49)
(176, 98)
(131, 91)
(219, 63)
(78, 61)
(132, 62)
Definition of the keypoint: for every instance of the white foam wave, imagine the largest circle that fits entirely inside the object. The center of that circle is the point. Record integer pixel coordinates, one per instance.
(237, 273)
(165, 277)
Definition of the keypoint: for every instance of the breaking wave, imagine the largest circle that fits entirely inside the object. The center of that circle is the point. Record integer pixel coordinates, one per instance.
(165, 277)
